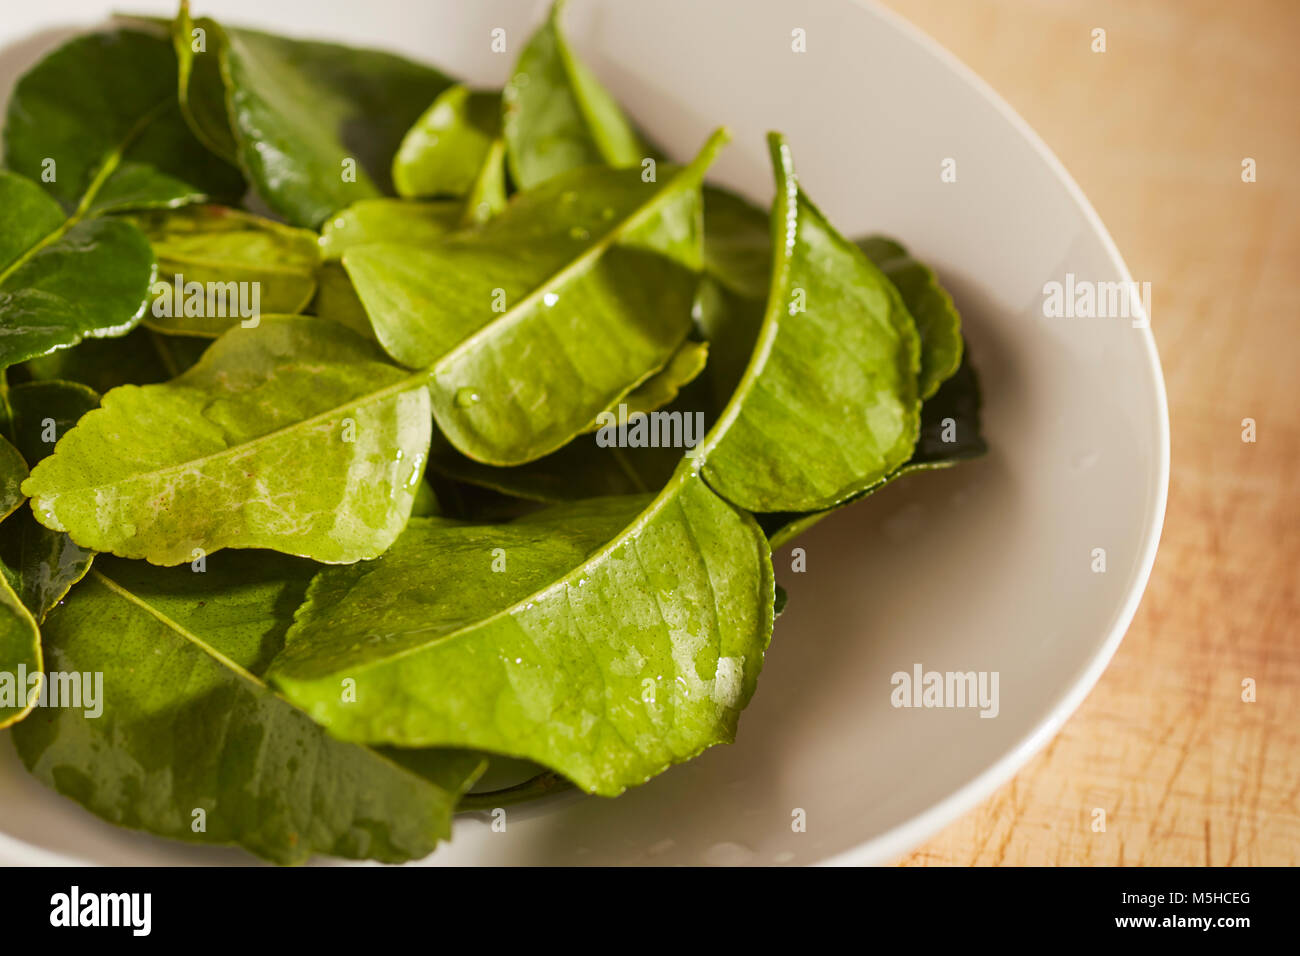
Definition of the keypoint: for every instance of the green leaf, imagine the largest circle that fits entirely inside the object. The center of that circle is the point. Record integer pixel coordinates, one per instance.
(828, 404)
(103, 108)
(202, 91)
(487, 195)
(188, 725)
(337, 301)
(295, 436)
(402, 221)
(663, 387)
(595, 257)
(63, 279)
(13, 472)
(950, 422)
(621, 637)
(558, 117)
(950, 416)
(950, 434)
(40, 564)
(20, 656)
(936, 317)
(222, 249)
(305, 114)
(417, 224)
(42, 412)
(20, 640)
(737, 262)
(444, 153)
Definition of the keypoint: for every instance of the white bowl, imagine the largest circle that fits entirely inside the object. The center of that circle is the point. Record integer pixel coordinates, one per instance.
(987, 567)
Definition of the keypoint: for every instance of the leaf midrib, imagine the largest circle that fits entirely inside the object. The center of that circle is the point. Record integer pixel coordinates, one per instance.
(239, 671)
(653, 507)
(409, 382)
(785, 209)
(111, 162)
(178, 628)
(582, 262)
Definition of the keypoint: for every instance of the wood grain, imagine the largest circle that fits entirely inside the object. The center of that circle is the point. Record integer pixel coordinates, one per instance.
(1155, 130)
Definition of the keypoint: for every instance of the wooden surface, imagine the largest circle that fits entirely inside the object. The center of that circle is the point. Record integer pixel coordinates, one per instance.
(1155, 130)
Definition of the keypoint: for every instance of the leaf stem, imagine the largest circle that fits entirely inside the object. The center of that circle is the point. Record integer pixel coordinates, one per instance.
(544, 784)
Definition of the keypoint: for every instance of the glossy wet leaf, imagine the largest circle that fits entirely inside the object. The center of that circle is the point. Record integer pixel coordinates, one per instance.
(828, 405)
(215, 264)
(950, 434)
(43, 412)
(42, 564)
(444, 153)
(622, 637)
(103, 108)
(188, 725)
(294, 436)
(64, 279)
(558, 117)
(306, 113)
(595, 257)
(20, 656)
(937, 320)
(13, 472)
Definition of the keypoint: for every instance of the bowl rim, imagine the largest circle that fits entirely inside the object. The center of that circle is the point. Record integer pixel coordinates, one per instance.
(903, 837)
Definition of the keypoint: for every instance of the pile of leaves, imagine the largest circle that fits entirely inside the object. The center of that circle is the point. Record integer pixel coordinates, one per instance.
(334, 556)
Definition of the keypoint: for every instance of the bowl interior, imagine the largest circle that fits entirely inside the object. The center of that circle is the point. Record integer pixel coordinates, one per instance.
(988, 567)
